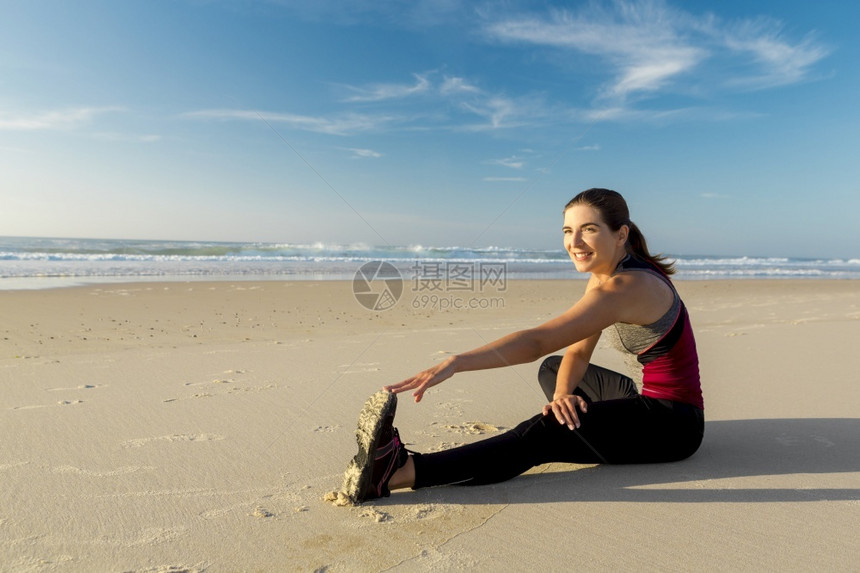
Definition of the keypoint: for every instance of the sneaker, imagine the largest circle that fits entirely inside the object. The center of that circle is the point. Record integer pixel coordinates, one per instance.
(380, 451)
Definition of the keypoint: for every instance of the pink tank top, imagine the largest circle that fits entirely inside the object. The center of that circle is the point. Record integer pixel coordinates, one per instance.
(670, 364)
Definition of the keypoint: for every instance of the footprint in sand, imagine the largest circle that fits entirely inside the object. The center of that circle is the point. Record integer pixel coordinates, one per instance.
(453, 407)
(442, 446)
(328, 429)
(148, 536)
(112, 473)
(81, 387)
(59, 403)
(360, 367)
(213, 381)
(376, 515)
(422, 512)
(136, 443)
(171, 569)
(262, 513)
(475, 428)
(237, 390)
(431, 510)
(12, 465)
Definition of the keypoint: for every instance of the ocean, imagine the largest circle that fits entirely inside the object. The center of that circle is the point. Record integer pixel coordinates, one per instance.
(32, 263)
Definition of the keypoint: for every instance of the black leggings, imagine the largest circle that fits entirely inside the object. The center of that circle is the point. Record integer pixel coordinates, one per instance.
(620, 427)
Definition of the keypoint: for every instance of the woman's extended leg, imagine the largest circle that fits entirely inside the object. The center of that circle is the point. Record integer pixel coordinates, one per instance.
(630, 430)
(620, 427)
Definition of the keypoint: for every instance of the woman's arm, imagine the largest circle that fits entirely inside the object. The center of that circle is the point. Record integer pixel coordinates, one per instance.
(565, 403)
(517, 348)
(600, 306)
(573, 365)
(576, 359)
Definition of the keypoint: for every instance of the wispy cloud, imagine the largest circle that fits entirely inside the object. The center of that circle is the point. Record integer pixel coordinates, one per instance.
(63, 119)
(128, 137)
(613, 113)
(495, 111)
(640, 40)
(498, 110)
(650, 47)
(454, 85)
(380, 92)
(779, 62)
(363, 153)
(343, 124)
(514, 162)
(588, 148)
(644, 48)
(506, 179)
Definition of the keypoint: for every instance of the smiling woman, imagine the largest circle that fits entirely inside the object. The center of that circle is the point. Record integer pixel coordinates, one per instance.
(591, 413)
(593, 205)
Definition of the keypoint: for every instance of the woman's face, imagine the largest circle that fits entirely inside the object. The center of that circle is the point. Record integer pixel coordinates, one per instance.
(592, 245)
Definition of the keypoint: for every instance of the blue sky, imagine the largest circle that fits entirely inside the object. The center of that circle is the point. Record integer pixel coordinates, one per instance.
(731, 127)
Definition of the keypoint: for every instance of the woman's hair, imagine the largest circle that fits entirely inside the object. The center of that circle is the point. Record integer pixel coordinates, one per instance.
(613, 210)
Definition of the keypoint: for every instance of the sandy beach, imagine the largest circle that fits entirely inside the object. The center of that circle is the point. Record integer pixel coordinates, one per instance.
(197, 426)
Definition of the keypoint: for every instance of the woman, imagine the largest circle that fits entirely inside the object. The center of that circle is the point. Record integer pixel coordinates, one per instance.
(593, 415)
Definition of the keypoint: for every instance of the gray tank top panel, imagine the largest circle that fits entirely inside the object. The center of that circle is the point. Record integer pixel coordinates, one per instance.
(637, 338)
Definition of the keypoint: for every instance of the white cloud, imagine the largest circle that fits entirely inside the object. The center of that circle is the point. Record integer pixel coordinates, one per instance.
(126, 137)
(651, 47)
(514, 162)
(70, 118)
(588, 148)
(639, 39)
(611, 114)
(380, 92)
(457, 86)
(779, 62)
(499, 111)
(364, 153)
(344, 124)
(496, 111)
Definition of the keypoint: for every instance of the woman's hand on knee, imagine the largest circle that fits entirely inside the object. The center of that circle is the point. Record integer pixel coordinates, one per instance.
(565, 409)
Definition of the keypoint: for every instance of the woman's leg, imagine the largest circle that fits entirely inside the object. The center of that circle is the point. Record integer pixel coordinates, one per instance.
(629, 430)
(620, 427)
(598, 384)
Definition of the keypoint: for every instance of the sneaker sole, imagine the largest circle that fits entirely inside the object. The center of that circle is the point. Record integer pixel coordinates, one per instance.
(358, 473)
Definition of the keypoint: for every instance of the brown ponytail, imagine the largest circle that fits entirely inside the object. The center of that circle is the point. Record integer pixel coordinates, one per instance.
(613, 209)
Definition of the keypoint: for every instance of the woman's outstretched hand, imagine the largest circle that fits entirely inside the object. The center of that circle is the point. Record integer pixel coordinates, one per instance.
(425, 380)
(564, 407)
